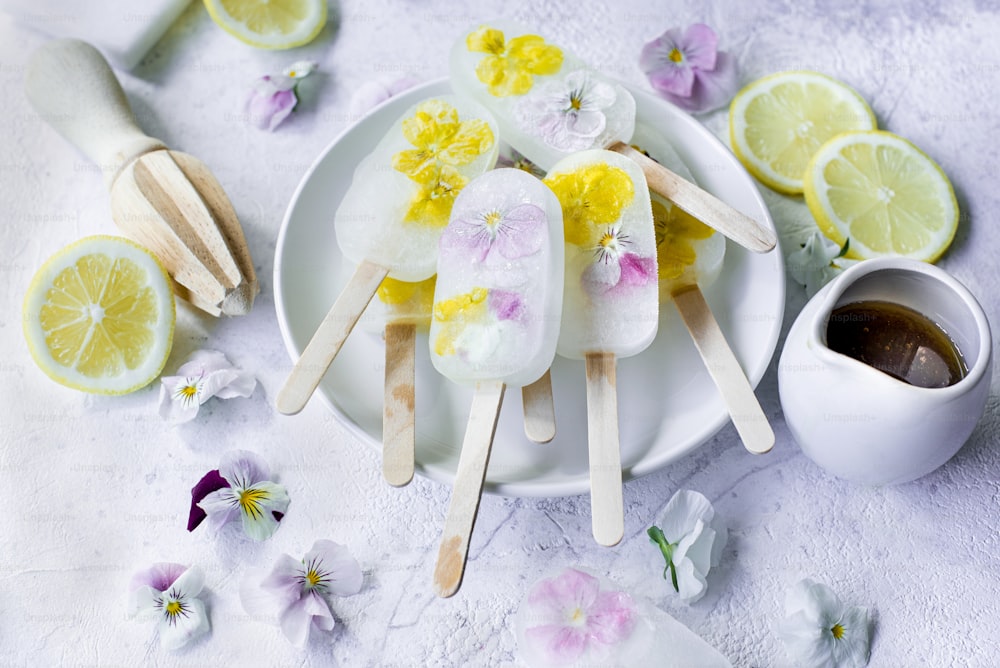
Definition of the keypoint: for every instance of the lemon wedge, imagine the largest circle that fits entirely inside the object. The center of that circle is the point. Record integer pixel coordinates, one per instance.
(884, 194)
(776, 124)
(99, 316)
(270, 24)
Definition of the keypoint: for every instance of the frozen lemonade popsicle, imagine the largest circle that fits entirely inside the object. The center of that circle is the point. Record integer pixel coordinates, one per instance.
(610, 301)
(550, 104)
(495, 323)
(391, 217)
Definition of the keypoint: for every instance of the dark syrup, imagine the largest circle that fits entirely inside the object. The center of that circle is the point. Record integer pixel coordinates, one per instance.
(898, 341)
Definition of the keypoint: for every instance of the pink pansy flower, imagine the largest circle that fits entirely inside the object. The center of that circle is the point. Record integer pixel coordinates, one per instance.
(206, 374)
(274, 97)
(294, 593)
(614, 266)
(509, 231)
(168, 593)
(244, 492)
(688, 70)
(570, 618)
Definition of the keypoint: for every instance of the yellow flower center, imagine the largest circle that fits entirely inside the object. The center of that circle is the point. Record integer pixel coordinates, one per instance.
(250, 501)
(313, 578)
(578, 616)
(173, 608)
(837, 631)
(492, 219)
(188, 391)
(676, 56)
(607, 239)
(575, 101)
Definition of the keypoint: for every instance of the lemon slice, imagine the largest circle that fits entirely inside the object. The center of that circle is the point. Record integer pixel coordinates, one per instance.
(270, 24)
(884, 194)
(777, 123)
(99, 316)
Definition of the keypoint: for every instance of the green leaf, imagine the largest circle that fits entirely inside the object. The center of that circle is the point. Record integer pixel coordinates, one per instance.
(667, 550)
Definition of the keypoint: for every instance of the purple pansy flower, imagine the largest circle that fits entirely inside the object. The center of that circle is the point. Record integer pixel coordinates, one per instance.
(614, 266)
(511, 232)
(247, 493)
(688, 70)
(295, 593)
(274, 97)
(168, 593)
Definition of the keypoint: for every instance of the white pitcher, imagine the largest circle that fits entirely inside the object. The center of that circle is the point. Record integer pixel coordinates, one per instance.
(865, 425)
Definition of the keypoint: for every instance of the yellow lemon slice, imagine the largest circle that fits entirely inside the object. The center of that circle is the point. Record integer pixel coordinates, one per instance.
(99, 316)
(776, 124)
(884, 194)
(270, 24)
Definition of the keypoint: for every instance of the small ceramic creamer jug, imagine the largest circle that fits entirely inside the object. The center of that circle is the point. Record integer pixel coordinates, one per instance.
(866, 425)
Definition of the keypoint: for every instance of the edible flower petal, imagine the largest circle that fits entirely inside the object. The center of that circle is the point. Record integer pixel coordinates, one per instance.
(432, 202)
(568, 113)
(440, 138)
(167, 593)
(249, 495)
(206, 374)
(817, 261)
(509, 66)
(592, 198)
(295, 593)
(510, 232)
(819, 631)
(275, 96)
(675, 230)
(691, 538)
(688, 70)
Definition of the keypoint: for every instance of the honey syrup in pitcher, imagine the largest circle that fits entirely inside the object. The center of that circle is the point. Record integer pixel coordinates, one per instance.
(896, 340)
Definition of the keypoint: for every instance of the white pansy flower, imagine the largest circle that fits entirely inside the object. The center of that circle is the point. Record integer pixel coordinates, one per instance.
(691, 538)
(819, 631)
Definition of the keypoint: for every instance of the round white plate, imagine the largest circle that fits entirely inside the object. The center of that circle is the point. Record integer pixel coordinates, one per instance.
(667, 403)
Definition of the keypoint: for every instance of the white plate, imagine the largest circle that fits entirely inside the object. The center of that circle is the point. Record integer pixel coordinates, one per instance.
(667, 403)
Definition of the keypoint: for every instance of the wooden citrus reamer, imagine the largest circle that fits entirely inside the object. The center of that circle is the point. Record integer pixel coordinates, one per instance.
(166, 200)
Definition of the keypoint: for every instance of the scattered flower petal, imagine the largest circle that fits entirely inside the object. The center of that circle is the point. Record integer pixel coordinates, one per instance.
(819, 631)
(274, 97)
(209, 483)
(691, 539)
(168, 593)
(373, 93)
(206, 374)
(816, 262)
(247, 494)
(688, 70)
(297, 592)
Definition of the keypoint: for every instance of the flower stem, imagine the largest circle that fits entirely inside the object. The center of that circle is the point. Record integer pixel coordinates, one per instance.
(667, 549)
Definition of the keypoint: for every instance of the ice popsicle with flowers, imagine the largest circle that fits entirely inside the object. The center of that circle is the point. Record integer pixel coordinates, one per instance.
(392, 216)
(689, 259)
(496, 321)
(610, 301)
(550, 104)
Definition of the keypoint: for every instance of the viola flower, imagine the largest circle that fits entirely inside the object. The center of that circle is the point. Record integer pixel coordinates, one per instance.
(675, 230)
(168, 593)
(614, 265)
(571, 618)
(518, 161)
(440, 138)
(295, 593)
(511, 232)
(248, 494)
(468, 322)
(274, 97)
(509, 67)
(432, 202)
(817, 261)
(820, 631)
(373, 93)
(592, 198)
(567, 114)
(691, 538)
(206, 374)
(688, 69)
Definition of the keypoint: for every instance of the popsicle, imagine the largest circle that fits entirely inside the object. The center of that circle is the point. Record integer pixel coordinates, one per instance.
(550, 104)
(689, 259)
(392, 215)
(610, 301)
(496, 323)
(399, 310)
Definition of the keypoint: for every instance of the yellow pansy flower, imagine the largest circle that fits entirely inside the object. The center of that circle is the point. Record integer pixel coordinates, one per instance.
(592, 198)
(419, 295)
(440, 138)
(510, 65)
(431, 205)
(675, 230)
(455, 315)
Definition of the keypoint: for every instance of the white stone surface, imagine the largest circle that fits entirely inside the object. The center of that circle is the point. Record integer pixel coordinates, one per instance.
(96, 487)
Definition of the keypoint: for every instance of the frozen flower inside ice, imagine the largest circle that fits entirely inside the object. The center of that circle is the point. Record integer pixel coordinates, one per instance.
(295, 593)
(518, 161)
(168, 594)
(511, 231)
(817, 261)
(688, 69)
(615, 266)
(510, 65)
(275, 96)
(440, 138)
(568, 113)
(248, 494)
(819, 631)
(206, 374)
(691, 538)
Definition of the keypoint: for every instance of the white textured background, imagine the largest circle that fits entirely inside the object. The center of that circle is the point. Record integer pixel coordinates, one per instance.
(95, 487)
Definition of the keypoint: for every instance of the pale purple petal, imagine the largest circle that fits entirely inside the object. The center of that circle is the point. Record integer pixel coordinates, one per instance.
(558, 644)
(284, 580)
(299, 616)
(612, 618)
(285, 101)
(520, 231)
(711, 89)
(699, 45)
(221, 507)
(506, 305)
(344, 573)
(159, 576)
(666, 76)
(242, 468)
(267, 111)
(265, 604)
(468, 234)
(637, 270)
(368, 96)
(568, 591)
(673, 81)
(183, 628)
(209, 483)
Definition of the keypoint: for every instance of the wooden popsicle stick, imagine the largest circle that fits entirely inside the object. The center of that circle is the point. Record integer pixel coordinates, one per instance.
(398, 405)
(539, 410)
(607, 505)
(329, 338)
(744, 409)
(701, 204)
(469, 478)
